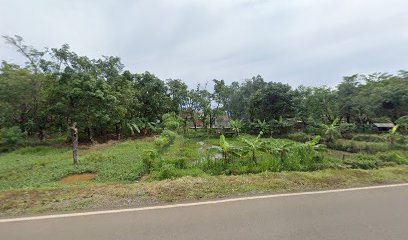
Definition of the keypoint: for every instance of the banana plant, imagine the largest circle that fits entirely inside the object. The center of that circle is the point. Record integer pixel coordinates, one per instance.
(253, 147)
(263, 126)
(331, 132)
(236, 126)
(280, 151)
(315, 144)
(133, 127)
(227, 150)
(393, 135)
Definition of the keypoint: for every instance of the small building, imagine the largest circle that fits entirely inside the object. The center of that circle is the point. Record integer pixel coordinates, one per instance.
(383, 127)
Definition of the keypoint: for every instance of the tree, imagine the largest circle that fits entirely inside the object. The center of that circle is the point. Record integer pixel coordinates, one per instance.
(74, 143)
(272, 101)
(346, 92)
(34, 63)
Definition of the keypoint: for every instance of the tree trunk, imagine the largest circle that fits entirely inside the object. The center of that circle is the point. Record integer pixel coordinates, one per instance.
(91, 136)
(74, 143)
(118, 131)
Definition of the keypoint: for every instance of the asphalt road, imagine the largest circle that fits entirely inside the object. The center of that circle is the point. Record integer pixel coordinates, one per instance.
(376, 214)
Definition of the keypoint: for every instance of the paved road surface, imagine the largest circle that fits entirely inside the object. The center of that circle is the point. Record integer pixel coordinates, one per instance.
(376, 214)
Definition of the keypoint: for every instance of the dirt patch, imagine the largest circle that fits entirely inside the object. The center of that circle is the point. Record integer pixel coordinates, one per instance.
(84, 177)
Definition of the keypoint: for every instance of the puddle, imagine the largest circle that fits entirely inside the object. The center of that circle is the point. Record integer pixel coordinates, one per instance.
(84, 177)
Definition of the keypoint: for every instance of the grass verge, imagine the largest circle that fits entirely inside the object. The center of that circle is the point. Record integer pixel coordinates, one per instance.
(83, 196)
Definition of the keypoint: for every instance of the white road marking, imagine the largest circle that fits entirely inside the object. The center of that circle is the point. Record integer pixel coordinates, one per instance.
(197, 203)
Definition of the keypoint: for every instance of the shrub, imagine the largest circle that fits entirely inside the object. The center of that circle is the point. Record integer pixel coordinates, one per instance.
(403, 124)
(170, 121)
(300, 137)
(314, 129)
(281, 127)
(365, 128)
(180, 163)
(149, 157)
(236, 126)
(161, 142)
(170, 135)
(347, 130)
(11, 137)
(363, 161)
(357, 146)
(392, 157)
(370, 138)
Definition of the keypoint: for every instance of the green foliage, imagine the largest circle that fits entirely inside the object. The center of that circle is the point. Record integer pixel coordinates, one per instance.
(299, 137)
(369, 138)
(236, 126)
(252, 147)
(403, 124)
(228, 150)
(281, 126)
(358, 146)
(170, 135)
(347, 130)
(161, 142)
(149, 157)
(11, 137)
(170, 121)
(331, 132)
(363, 161)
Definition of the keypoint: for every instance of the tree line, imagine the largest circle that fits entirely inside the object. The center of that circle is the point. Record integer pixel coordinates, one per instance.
(56, 88)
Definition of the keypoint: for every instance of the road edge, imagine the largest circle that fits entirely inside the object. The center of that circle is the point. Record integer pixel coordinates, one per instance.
(66, 215)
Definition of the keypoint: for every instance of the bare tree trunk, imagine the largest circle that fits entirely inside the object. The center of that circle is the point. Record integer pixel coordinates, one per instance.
(74, 143)
(91, 136)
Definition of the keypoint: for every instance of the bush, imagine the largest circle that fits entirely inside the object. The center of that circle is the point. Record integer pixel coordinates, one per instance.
(170, 121)
(314, 130)
(403, 124)
(11, 137)
(170, 135)
(357, 146)
(149, 157)
(365, 128)
(363, 161)
(392, 157)
(370, 138)
(161, 142)
(347, 130)
(281, 127)
(300, 137)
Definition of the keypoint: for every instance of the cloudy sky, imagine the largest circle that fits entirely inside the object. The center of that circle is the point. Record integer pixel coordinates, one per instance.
(309, 42)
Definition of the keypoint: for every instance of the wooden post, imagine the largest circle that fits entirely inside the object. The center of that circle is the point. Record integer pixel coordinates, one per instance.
(74, 143)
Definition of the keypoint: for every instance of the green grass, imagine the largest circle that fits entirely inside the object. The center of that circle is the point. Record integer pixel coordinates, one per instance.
(34, 167)
(107, 196)
(181, 170)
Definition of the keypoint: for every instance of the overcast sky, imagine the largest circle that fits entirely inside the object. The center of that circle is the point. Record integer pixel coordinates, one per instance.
(309, 42)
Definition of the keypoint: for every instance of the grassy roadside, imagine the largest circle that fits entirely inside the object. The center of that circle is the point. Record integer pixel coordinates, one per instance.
(81, 197)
